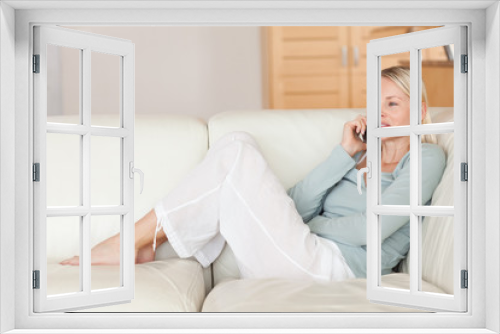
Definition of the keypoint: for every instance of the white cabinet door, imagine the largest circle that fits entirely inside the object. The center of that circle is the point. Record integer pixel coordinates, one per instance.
(83, 151)
(442, 49)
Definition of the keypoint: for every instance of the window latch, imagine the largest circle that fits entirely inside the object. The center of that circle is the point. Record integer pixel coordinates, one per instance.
(368, 171)
(133, 170)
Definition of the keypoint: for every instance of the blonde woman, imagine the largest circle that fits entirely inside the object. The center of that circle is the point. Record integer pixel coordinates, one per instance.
(314, 231)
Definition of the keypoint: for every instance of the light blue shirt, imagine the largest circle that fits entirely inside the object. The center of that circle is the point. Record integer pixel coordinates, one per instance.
(329, 203)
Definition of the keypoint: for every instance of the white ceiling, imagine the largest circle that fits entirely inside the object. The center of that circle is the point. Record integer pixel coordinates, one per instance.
(249, 4)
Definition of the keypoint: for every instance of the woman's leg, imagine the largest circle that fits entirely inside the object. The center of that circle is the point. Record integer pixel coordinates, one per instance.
(107, 252)
(234, 196)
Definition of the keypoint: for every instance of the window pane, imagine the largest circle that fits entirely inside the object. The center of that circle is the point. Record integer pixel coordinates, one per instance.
(437, 75)
(105, 170)
(63, 84)
(102, 228)
(394, 250)
(437, 170)
(394, 167)
(63, 242)
(106, 89)
(395, 90)
(397, 59)
(63, 169)
(437, 254)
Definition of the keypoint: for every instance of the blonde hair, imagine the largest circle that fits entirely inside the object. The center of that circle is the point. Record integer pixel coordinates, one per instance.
(401, 77)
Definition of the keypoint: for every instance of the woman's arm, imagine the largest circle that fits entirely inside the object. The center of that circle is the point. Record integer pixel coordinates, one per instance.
(351, 229)
(310, 193)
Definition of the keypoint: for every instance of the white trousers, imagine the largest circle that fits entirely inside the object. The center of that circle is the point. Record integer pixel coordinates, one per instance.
(233, 196)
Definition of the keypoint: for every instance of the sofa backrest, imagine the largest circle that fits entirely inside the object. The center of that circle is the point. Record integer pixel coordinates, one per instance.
(437, 232)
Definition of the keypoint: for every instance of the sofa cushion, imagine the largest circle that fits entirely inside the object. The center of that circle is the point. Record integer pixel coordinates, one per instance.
(280, 295)
(437, 232)
(295, 141)
(173, 285)
(292, 141)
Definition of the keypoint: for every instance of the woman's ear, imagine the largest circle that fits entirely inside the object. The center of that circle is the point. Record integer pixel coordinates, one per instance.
(424, 111)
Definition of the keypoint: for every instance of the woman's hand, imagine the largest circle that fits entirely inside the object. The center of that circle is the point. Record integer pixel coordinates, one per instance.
(351, 142)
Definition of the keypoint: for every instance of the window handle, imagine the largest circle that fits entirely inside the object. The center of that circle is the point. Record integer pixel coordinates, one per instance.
(368, 172)
(136, 170)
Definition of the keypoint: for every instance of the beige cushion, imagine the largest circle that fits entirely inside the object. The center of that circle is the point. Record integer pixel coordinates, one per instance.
(437, 232)
(162, 286)
(292, 141)
(295, 141)
(280, 295)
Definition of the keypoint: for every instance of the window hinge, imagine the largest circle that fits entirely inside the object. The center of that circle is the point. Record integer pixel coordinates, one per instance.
(465, 64)
(36, 279)
(36, 172)
(36, 63)
(465, 279)
(464, 171)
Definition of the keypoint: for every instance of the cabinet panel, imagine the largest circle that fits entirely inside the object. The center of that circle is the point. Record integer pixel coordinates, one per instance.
(307, 66)
(310, 67)
(314, 84)
(311, 101)
(311, 49)
(310, 32)
(357, 92)
(325, 67)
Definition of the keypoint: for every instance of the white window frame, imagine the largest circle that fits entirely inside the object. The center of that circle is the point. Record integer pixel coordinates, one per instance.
(414, 43)
(86, 44)
(484, 104)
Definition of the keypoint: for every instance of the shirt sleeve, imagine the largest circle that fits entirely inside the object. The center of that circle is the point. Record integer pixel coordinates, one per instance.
(309, 194)
(351, 230)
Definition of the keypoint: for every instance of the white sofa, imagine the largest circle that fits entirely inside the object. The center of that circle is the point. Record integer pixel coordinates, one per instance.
(293, 142)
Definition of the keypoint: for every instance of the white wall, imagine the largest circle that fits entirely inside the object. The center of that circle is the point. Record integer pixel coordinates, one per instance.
(492, 274)
(7, 167)
(194, 70)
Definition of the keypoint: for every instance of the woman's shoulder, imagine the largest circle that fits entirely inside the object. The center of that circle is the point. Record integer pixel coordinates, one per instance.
(431, 153)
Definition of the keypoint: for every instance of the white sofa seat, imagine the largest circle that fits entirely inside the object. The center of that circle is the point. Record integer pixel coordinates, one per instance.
(281, 295)
(173, 285)
(294, 142)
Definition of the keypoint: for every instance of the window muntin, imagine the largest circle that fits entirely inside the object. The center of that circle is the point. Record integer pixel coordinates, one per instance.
(414, 44)
(84, 172)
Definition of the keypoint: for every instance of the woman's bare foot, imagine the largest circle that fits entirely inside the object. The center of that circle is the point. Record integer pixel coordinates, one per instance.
(104, 253)
(108, 251)
(145, 254)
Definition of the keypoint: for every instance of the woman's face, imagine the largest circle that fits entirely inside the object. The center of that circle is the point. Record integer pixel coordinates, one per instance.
(395, 105)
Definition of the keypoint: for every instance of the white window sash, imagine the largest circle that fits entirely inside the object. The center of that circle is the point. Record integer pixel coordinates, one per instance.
(87, 43)
(413, 43)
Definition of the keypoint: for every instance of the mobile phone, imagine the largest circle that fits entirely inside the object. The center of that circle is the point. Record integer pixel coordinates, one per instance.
(362, 136)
